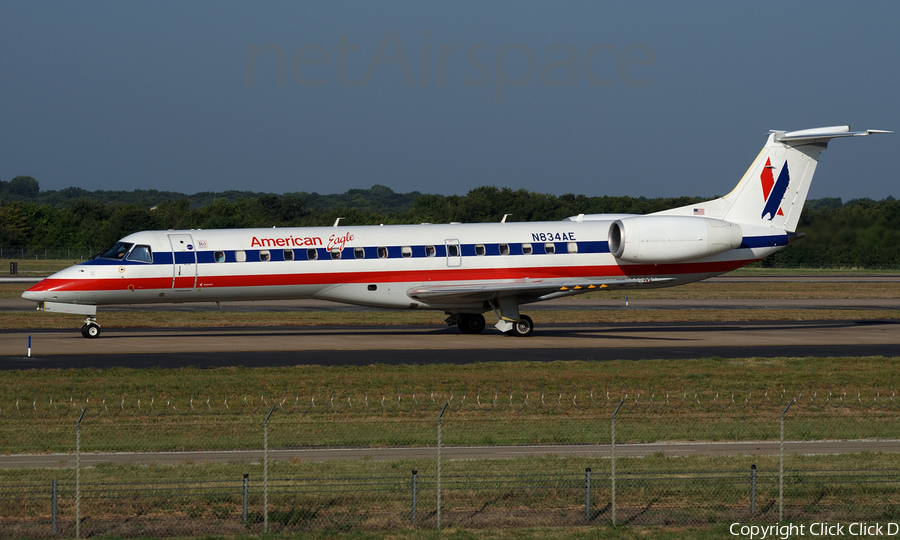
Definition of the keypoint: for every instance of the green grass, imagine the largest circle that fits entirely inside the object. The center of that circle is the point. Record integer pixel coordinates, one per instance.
(492, 403)
(491, 377)
(705, 375)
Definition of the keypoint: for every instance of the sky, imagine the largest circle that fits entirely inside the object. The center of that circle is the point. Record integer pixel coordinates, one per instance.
(653, 99)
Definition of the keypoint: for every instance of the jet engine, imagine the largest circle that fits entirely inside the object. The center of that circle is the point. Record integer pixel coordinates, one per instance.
(666, 239)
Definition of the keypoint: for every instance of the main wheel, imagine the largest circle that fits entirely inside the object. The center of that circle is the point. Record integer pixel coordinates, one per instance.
(90, 330)
(523, 327)
(471, 323)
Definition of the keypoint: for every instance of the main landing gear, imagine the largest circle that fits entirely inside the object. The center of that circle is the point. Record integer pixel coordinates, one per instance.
(90, 329)
(523, 327)
(473, 323)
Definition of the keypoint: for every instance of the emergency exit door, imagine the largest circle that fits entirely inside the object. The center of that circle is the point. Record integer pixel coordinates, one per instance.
(454, 253)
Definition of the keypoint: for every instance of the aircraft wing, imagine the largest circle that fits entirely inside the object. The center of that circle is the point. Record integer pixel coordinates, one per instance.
(529, 288)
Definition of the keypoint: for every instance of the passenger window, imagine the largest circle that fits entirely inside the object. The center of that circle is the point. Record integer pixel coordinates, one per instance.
(312, 254)
(335, 254)
(504, 249)
(526, 249)
(240, 256)
(264, 255)
(406, 251)
(382, 253)
(289, 254)
(429, 251)
(573, 247)
(359, 253)
(220, 256)
(479, 249)
(140, 254)
(549, 247)
(452, 250)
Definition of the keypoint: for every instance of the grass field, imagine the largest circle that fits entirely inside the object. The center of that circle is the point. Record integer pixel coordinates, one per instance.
(493, 403)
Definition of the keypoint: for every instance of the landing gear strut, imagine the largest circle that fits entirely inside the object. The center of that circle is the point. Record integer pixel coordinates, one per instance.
(90, 329)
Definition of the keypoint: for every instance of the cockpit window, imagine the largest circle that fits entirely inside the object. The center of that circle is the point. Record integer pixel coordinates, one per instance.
(141, 254)
(117, 252)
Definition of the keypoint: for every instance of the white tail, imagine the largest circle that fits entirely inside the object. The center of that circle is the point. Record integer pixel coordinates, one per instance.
(774, 188)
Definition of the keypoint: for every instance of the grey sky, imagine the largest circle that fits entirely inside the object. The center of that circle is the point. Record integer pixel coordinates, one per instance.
(155, 95)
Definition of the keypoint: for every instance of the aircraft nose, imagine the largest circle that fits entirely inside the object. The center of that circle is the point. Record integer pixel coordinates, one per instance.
(35, 293)
(33, 296)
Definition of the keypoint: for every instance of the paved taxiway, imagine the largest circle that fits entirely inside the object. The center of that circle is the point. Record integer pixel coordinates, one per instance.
(318, 455)
(363, 345)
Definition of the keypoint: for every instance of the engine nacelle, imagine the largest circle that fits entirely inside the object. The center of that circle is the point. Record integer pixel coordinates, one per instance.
(665, 239)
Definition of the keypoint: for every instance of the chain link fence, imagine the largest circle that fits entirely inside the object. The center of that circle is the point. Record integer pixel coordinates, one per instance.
(195, 465)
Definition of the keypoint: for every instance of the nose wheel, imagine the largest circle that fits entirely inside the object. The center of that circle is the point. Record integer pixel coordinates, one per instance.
(90, 329)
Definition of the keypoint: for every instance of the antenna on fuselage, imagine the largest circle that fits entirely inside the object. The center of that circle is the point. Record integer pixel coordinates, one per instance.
(338, 220)
(504, 218)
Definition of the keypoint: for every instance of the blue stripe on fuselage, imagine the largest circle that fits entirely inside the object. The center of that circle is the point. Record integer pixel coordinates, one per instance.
(396, 252)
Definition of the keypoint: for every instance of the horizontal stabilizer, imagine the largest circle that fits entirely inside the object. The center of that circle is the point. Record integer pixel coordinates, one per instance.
(821, 134)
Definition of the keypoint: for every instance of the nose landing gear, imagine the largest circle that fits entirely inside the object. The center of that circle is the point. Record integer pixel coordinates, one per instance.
(90, 329)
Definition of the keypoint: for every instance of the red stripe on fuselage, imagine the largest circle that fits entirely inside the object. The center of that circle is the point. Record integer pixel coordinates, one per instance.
(391, 276)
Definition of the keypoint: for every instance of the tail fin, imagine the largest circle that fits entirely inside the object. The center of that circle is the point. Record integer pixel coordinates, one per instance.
(774, 188)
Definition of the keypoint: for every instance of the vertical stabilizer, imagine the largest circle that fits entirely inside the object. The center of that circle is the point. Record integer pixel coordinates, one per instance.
(774, 188)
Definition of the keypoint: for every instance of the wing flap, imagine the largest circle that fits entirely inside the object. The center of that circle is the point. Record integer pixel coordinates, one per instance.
(532, 288)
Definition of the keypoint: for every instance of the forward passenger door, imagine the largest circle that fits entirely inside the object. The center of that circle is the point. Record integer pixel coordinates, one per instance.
(184, 258)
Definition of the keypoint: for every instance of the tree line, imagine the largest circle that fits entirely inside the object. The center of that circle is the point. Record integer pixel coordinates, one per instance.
(861, 233)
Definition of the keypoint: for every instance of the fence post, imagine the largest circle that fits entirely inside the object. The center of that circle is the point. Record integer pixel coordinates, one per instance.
(752, 489)
(587, 495)
(415, 485)
(78, 474)
(781, 464)
(266, 471)
(439, 465)
(246, 490)
(613, 462)
(53, 505)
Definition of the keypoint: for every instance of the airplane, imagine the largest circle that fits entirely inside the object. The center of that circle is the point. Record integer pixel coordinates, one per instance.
(464, 270)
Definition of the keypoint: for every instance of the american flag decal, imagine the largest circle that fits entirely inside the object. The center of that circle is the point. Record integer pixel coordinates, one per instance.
(699, 211)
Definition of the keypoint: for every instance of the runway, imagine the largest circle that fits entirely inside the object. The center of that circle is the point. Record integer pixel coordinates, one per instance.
(366, 345)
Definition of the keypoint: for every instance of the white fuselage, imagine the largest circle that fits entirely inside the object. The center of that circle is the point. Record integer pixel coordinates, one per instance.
(367, 265)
